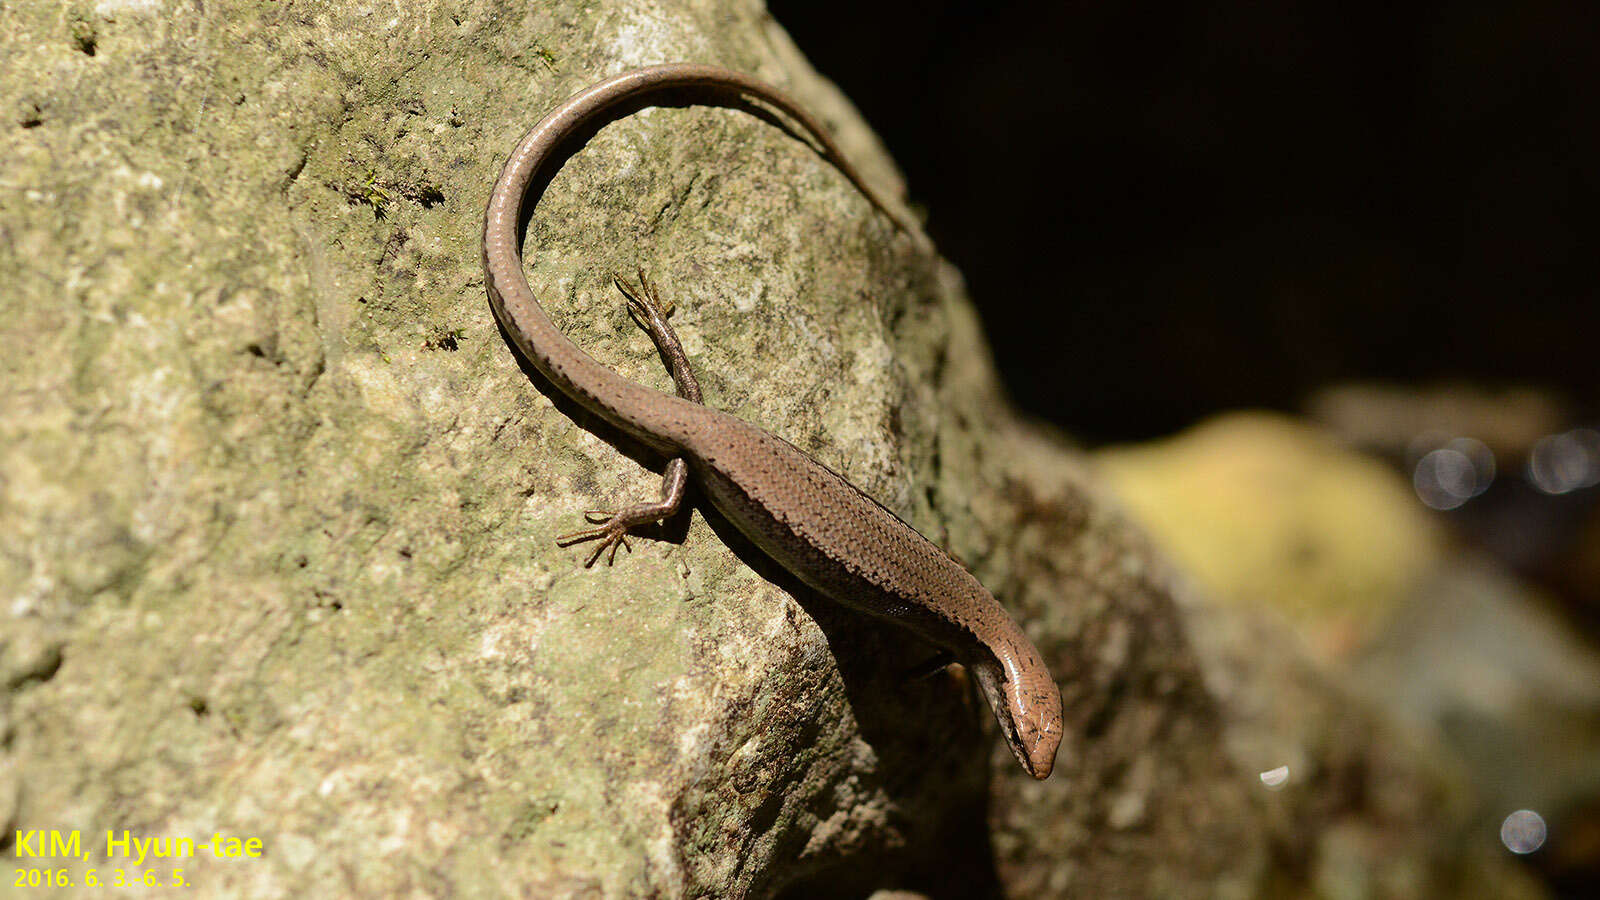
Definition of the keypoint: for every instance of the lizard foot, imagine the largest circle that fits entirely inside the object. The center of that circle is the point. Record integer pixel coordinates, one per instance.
(645, 304)
(612, 532)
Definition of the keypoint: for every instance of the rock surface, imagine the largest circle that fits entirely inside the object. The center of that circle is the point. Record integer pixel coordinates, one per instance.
(1269, 513)
(277, 504)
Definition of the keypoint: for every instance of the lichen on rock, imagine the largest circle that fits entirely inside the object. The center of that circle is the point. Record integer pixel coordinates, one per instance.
(276, 536)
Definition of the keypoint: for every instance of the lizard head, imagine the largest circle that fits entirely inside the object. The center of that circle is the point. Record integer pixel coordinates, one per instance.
(1029, 713)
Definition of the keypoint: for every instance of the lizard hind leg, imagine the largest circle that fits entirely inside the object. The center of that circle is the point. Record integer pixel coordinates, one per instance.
(650, 312)
(611, 529)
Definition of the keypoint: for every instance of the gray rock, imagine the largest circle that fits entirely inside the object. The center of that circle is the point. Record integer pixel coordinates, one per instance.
(1479, 659)
(276, 541)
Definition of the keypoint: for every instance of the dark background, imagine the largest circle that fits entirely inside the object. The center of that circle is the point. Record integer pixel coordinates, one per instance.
(1169, 209)
(1166, 209)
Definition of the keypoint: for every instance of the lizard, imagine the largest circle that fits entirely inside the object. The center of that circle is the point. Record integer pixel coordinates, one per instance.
(812, 521)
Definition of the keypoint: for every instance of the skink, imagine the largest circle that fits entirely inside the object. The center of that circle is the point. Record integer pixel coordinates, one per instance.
(809, 519)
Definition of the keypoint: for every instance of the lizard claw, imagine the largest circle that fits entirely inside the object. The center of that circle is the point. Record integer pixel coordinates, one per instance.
(645, 304)
(612, 533)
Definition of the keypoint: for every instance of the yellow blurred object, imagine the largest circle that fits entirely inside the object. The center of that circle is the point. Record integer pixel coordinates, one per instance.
(1265, 511)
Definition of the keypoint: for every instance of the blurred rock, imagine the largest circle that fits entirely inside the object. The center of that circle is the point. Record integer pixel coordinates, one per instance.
(1274, 517)
(1478, 659)
(1269, 513)
(1388, 419)
(278, 506)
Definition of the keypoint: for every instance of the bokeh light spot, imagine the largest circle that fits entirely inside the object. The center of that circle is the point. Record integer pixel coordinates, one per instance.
(1562, 463)
(1275, 779)
(1523, 831)
(1445, 478)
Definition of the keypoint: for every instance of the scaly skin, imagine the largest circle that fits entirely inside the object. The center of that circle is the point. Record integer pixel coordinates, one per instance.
(805, 516)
